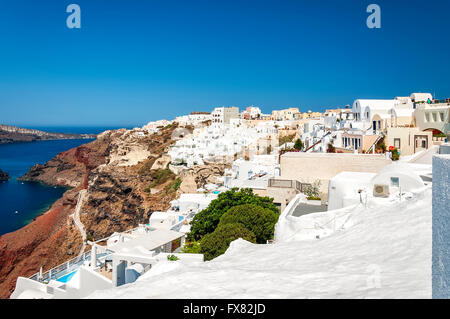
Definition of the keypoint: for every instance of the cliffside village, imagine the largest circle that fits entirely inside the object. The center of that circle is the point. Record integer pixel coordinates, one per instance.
(316, 166)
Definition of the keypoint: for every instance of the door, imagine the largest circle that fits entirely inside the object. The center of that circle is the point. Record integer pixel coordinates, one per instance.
(420, 143)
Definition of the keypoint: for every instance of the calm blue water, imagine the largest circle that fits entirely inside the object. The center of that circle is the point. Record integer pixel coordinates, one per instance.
(31, 199)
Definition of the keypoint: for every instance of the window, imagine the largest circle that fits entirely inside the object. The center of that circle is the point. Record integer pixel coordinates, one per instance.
(434, 117)
(427, 117)
(395, 181)
(441, 116)
(424, 144)
(397, 143)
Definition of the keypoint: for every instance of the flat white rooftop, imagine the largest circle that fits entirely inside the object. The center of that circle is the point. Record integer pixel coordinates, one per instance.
(150, 241)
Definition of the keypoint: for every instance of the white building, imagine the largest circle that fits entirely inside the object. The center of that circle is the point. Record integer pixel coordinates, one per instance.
(254, 173)
(125, 258)
(194, 119)
(222, 115)
(398, 179)
(251, 113)
(182, 211)
(216, 143)
(380, 114)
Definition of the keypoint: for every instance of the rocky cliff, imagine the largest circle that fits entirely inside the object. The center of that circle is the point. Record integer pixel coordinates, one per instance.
(127, 177)
(3, 176)
(116, 169)
(13, 134)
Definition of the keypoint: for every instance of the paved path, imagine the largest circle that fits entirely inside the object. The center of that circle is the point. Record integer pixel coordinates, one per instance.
(427, 156)
(78, 223)
(305, 209)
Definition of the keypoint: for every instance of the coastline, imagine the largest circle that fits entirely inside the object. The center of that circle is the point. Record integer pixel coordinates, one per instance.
(48, 206)
(44, 208)
(46, 140)
(30, 198)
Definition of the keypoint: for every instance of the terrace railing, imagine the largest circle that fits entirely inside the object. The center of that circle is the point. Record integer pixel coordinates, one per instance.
(61, 269)
(288, 183)
(281, 183)
(66, 267)
(72, 264)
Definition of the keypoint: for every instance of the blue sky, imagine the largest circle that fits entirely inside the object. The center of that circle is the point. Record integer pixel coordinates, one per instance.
(139, 60)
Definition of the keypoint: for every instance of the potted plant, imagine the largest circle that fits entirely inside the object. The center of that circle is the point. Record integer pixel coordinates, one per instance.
(313, 194)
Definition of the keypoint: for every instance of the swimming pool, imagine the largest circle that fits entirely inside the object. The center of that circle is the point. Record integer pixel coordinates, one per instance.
(66, 278)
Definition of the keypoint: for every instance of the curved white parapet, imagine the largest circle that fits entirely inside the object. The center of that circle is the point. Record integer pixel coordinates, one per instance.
(314, 225)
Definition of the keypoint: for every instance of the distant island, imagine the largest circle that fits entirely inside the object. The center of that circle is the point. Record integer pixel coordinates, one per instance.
(14, 134)
(3, 176)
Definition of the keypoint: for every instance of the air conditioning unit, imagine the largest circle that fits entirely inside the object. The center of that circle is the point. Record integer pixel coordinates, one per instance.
(381, 190)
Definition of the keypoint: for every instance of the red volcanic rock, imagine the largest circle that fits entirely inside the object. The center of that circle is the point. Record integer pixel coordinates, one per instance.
(41, 243)
(117, 200)
(46, 241)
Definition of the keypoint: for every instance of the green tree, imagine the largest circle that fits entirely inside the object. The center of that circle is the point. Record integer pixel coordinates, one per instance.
(206, 221)
(298, 145)
(216, 243)
(285, 139)
(261, 221)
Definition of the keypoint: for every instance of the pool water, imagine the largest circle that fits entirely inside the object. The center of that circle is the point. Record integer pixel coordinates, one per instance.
(67, 277)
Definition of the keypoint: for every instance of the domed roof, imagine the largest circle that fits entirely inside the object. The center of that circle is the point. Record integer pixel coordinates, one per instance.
(409, 180)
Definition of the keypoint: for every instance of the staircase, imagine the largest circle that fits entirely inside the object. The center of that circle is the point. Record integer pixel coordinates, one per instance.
(375, 143)
(319, 141)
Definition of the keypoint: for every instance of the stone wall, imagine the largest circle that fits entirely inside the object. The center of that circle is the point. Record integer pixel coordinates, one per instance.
(441, 226)
(311, 167)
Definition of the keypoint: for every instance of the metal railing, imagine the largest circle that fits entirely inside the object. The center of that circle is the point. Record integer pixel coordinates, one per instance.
(302, 187)
(70, 265)
(281, 183)
(288, 183)
(53, 272)
(65, 268)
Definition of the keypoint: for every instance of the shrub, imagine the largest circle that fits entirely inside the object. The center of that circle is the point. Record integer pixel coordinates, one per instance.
(216, 243)
(439, 135)
(381, 146)
(173, 186)
(331, 148)
(260, 221)
(146, 166)
(160, 176)
(191, 248)
(172, 258)
(313, 192)
(298, 144)
(395, 154)
(285, 139)
(206, 221)
(177, 184)
(89, 237)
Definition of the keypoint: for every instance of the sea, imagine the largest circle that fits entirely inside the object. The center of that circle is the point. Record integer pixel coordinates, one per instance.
(21, 202)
